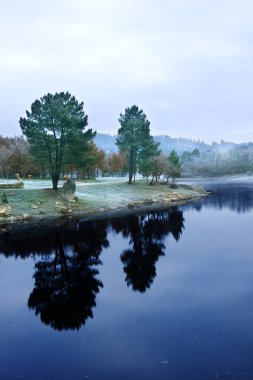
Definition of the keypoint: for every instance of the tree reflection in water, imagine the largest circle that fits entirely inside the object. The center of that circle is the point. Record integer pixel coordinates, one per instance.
(66, 285)
(66, 273)
(146, 235)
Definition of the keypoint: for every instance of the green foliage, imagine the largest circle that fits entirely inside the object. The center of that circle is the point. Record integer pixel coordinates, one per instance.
(188, 157)
(135, 142)
(174, 159)
(195, 153)
(173, 168)
(148, 158)
(55, 131)
(4, 198)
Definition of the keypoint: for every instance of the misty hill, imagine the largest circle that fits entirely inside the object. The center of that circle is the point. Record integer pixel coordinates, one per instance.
(106, 142)
(167, 144)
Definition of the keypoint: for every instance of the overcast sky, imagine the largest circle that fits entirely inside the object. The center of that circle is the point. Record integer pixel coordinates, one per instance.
(187, 63)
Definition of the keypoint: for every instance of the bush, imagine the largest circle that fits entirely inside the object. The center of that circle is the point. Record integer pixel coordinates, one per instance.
(4, 198)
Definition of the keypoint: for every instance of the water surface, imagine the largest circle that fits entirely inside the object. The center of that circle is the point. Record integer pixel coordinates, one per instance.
(166, 295)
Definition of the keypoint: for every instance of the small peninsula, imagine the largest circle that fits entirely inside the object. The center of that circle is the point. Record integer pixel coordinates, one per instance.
(92, 200)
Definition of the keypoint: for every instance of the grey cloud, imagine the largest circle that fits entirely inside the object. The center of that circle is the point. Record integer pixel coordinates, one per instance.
(188, 64)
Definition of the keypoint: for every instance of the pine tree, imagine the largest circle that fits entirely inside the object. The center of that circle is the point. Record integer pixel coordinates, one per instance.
(135, 142)
(174, 166)
(55, 131)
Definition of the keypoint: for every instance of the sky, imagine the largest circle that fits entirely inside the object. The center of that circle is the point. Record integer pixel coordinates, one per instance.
(188, 64)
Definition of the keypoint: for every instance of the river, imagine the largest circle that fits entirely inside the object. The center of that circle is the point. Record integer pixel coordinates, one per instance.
(165, 295)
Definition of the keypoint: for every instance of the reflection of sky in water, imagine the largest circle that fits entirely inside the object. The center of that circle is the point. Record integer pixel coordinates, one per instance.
(194, 322)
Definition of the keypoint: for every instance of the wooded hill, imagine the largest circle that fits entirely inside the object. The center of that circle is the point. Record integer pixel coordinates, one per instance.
(167, 144)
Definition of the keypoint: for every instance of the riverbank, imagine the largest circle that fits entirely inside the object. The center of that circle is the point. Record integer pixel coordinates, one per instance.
(92, 200)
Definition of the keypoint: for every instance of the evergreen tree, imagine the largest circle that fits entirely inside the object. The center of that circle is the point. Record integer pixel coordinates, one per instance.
(55, 131)
(173, 169)
(135, 142)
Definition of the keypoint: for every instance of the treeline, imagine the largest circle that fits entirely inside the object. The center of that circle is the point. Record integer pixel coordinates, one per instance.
(197, 158)
(219, 159)
(217, 162)
(236, 159)
(15, 158)
(58, 144)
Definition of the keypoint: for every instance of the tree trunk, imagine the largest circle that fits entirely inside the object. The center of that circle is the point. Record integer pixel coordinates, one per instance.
(151, 182)
(131, 165)
(55, 180)
(134, 166)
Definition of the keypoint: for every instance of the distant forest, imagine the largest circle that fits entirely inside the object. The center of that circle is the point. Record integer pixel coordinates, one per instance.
(167, 144)
(197, 158)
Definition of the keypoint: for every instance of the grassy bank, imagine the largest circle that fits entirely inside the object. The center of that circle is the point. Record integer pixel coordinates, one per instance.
(91, 199)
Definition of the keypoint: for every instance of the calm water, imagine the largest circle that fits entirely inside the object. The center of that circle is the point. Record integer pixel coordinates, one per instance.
(166, 295)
